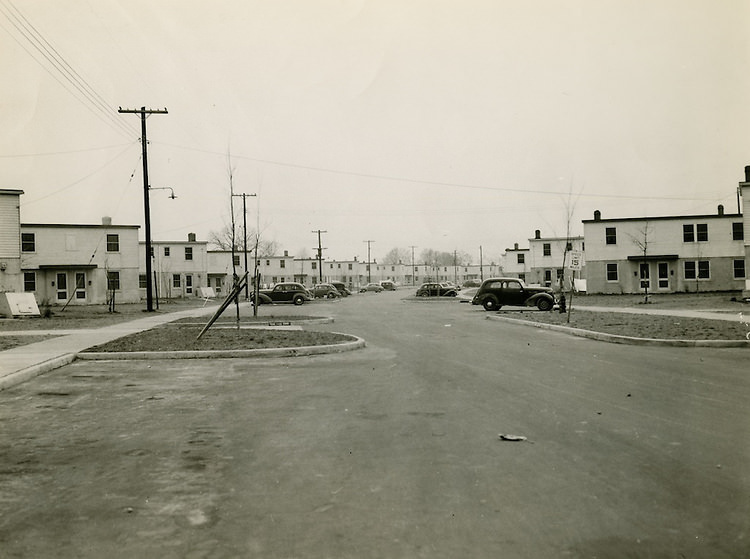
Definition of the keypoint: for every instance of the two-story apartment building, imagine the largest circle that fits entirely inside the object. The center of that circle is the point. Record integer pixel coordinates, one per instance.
(179, 268)
(548, 260)
(80, 264)
(515, 262)
(10, 241)
(687, 253)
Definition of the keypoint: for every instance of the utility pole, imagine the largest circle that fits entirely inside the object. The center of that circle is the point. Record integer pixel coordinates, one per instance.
(146, 209)
(244, 234)
(481, 271)
(320, 255)
(368, 260)
(455, 268)
(412, 264)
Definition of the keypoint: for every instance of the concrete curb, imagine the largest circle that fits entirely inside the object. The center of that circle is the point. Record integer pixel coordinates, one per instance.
(357, 343)
(23, 375)
(617, 339)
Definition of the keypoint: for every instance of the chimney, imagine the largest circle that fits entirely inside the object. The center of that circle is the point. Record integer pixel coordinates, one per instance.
(721, 209)
(286, 253)
(747, 173)
(515, 246)
(191, 237)
(537, 234)
(597, 215)
(106, 221)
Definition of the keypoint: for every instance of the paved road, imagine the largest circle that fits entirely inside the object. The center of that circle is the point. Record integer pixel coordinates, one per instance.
(391, 451)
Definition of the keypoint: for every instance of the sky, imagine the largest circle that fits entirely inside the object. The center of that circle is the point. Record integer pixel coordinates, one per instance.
(434, 124)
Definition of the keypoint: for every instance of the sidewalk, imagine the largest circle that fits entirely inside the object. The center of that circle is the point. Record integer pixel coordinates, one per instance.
(731, 316)
(24, 362)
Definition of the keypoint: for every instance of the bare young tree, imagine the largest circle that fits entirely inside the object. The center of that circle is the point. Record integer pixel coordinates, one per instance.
(221, 239)
(641, 240)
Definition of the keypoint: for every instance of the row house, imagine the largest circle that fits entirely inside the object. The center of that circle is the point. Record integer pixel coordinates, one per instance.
(11, 279)
(666, 254)
(548, 258)
(80, 264)
(515, 262)
(179, 268)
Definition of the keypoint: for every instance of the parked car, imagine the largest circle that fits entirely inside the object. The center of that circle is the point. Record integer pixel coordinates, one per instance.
(341, 288)
(472, 283)
(388, 285)
(325, 290)
(467, 295)
(436, 290)
(496, 292)
(376, 287)
(287, 292)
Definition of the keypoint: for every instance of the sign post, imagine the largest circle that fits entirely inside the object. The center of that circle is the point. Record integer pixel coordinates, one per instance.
(576, 258)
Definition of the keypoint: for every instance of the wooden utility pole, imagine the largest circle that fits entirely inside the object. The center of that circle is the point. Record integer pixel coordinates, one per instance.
(244, 234)
(320, 255)
(368, 260)
(413, 281)
(146, 209)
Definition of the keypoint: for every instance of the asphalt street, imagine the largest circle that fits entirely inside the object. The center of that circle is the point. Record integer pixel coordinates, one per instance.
(389, 451)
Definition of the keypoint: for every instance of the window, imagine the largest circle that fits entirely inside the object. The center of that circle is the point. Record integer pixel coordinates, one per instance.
(113, 280)
(612, 271)
(152, 251)
(28, 242)
(689, 270)
(314, 265)
(331, 266)
(521, 258)
(688, 233)
(142, 281)
(188, 253)
(282, 263)
(699, 270)
(703, 269)
(166, 251)
(738, 233)
(176, 280)
(29, 281)
(610, 235)
(113, 243)
(547, 249)
(236, 260)
(568, 246)
(350, 266)
(702, 232)
(739, 269)
(268, 262)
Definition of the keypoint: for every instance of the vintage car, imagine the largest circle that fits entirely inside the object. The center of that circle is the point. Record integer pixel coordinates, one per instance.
(286, 292)
(325, 290)
(496, 292)
(437, 290)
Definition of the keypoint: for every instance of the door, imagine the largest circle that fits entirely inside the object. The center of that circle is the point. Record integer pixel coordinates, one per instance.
(645, 273)
(62, 286)
(663, 273)
(81, 286)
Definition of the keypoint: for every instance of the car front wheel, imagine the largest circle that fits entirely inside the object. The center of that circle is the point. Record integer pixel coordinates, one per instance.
(490, 304)
(298, 300)
(544, 305)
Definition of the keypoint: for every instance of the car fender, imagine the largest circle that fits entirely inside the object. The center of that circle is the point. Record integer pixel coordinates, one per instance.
(531, 301)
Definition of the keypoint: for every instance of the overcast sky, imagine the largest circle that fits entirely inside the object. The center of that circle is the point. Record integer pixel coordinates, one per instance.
(447, 125)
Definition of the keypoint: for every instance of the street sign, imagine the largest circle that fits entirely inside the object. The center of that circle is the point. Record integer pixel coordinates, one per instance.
(576, 260)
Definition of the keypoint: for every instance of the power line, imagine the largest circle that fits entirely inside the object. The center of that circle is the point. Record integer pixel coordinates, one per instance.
(92, 100)
(62, 152)
(435, 183)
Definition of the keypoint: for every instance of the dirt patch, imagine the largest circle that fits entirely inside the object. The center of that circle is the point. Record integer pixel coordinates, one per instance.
(175, 337)
(9, 342)
(640, 325)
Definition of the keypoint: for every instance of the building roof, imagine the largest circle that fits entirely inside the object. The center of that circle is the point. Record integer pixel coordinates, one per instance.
(79, 226)
(663, 218)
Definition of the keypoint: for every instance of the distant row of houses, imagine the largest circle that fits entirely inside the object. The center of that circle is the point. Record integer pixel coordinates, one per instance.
(91, 264)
